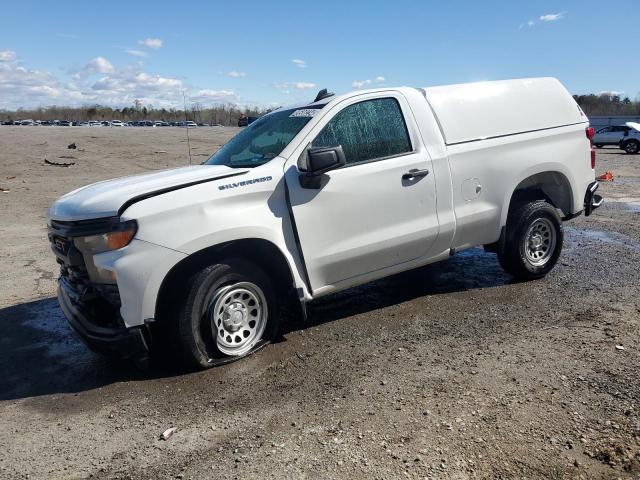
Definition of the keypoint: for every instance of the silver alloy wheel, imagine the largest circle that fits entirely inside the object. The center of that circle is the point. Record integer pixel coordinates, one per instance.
(540, 241)
(632, 147)
(238, 318)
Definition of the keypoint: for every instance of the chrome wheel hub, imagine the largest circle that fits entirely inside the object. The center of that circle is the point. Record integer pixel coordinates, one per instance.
(234, 317)
(238, 317)
(540, 241)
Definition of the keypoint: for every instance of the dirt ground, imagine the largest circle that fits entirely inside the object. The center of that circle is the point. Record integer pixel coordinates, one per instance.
(450, 371)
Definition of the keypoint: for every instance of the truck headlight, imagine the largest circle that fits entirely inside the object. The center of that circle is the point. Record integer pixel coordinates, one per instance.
(118, 238)
(91, 245)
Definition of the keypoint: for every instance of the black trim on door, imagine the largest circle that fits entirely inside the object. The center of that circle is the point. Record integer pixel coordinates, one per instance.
(296, 237)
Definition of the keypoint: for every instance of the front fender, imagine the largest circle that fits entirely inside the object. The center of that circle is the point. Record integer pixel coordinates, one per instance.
(140, 268)
(209, 214)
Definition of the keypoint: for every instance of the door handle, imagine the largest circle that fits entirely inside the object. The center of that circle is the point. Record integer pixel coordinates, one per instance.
(415, 173)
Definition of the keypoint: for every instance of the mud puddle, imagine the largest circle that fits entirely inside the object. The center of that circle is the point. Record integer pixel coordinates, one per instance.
(602, 236)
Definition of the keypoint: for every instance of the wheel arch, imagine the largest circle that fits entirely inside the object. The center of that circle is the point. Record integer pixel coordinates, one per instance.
(550, 185)
(262, 252)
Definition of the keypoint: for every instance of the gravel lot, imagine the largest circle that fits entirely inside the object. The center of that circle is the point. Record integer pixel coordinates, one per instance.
(450, 371)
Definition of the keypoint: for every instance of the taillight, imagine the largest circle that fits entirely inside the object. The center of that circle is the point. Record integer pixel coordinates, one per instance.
(591, 132)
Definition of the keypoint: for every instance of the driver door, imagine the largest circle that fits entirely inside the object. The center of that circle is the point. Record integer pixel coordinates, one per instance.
(371, 214)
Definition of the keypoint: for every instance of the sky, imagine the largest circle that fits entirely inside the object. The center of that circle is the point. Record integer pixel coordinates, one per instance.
(266, 54)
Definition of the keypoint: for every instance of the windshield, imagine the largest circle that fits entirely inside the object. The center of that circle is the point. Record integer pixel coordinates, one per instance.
(264, 139)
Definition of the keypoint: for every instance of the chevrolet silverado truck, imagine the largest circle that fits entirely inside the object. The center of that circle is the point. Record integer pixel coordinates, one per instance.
(316, 198)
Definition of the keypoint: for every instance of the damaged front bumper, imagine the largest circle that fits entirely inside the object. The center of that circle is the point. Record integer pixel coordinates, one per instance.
(112, 341)
(591, 199)
(93, 309)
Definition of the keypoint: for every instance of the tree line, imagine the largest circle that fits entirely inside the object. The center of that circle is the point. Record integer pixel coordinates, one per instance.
(591, 104)
(607, 105)
(217, 114)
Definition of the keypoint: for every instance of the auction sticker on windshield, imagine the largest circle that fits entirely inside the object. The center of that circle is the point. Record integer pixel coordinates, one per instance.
(305, 112)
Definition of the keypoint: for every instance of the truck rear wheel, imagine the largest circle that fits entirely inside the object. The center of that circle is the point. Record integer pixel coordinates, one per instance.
(229, 312)
(532, 240)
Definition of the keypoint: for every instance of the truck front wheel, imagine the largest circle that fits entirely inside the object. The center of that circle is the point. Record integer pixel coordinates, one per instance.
(229, 312)
(532, 240)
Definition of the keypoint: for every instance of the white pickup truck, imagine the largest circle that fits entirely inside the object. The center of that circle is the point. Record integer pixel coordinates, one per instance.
(316, 198)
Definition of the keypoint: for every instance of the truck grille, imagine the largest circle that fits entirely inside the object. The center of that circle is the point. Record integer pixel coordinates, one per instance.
(101, 302)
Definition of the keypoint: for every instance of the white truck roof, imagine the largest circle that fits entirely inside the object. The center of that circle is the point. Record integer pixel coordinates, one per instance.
(475, 111)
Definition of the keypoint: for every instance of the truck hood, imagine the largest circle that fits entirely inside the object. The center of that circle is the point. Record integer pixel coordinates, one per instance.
(105, 199)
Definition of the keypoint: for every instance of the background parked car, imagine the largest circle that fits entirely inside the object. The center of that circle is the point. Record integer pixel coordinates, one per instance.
(244, 121)
(610, 135)
(630, 143)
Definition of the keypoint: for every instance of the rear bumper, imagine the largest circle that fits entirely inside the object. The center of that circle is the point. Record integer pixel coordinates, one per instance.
(591, 199)
(119, 342)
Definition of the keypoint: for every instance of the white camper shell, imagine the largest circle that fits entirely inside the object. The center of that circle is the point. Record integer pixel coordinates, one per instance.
(477, 111)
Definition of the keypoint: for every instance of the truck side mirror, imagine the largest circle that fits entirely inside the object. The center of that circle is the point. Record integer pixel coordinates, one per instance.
(317, 161)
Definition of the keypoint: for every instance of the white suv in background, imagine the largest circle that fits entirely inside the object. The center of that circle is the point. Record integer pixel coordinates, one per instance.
(630, 142)
(611, 135)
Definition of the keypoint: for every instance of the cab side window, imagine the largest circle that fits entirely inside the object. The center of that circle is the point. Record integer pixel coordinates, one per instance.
(367, 131)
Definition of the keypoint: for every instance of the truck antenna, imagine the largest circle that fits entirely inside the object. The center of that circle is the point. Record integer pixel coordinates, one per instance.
(186, 124)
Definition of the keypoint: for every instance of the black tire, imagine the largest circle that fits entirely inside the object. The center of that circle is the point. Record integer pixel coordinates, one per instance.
(598, 145)
(632, 146)
(520, 245)
(196, 341)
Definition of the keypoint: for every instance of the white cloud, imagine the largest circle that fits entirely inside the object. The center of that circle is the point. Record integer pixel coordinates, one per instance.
(360, 83)
(552, 17)
(27, 88)
(235, 74)
(22, 87)
(209, 96)
(530, 23)
(610, 93)
(98, 65)
(128, 81)
(154, 43)
(285, 86)
(7, 55)
(357, 84)
(299, 63)
(136, 53)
